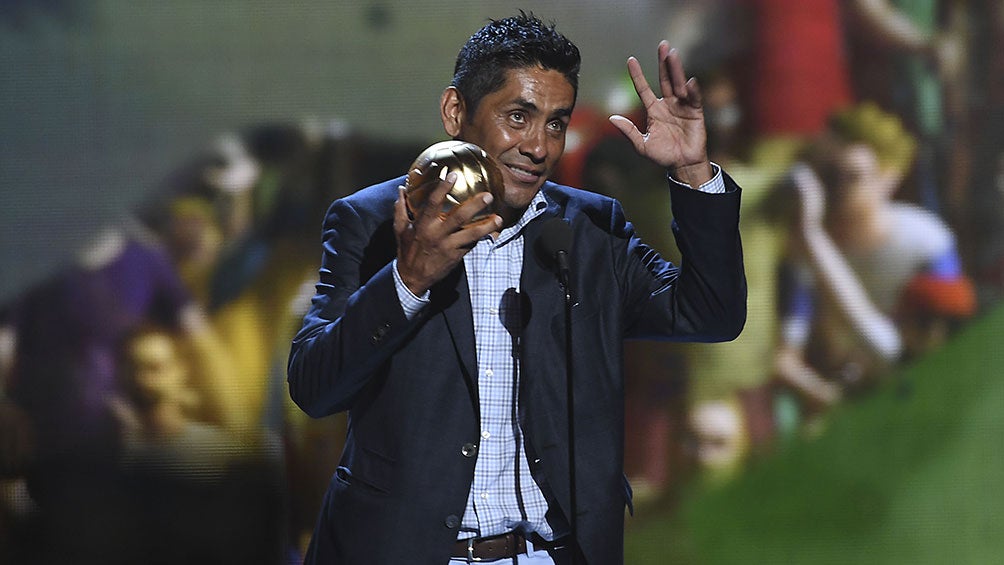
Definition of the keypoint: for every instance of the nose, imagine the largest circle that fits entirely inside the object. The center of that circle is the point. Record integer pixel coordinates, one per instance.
(534, 144)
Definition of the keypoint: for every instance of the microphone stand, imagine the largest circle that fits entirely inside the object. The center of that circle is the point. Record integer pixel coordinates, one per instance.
(573, 519)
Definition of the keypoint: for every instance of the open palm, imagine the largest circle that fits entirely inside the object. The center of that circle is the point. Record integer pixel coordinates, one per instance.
(674, 135)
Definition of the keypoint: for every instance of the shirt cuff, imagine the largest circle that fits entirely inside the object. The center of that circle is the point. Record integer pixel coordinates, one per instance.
(410, 303)
(714, 186)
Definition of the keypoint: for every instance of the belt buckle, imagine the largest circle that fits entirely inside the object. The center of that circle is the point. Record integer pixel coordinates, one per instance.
(470, 551)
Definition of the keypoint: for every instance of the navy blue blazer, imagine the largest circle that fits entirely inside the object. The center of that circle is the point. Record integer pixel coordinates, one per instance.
(410, 385)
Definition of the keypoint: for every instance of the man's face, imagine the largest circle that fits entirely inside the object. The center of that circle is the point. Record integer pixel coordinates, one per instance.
(864, 187)
(157, 370)
(522, 125)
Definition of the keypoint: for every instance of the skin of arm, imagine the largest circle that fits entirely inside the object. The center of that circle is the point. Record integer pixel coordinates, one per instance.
(836, 276)
(896, 31)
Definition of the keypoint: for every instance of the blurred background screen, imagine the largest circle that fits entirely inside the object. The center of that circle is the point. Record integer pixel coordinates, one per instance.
(165, 166)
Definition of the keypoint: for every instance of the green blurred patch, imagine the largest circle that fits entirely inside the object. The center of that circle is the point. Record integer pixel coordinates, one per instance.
(912, 473)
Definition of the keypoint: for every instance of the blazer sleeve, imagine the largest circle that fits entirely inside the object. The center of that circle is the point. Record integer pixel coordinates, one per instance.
(355, 321)
(704, 297)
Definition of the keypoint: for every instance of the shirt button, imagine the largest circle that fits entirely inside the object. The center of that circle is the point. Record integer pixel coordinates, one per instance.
(493, 310)
(469, 450)
(489, 372)
(452, 521)
(486, 434)
(484, 495)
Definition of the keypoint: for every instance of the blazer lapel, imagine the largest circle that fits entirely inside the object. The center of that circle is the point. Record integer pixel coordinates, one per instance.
(542, 357)
(538, 281)
(452, 296)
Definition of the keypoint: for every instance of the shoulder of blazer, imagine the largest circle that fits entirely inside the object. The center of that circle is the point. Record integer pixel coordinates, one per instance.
(376, 201)
(564, 196)
(365, 211)
(582, 207)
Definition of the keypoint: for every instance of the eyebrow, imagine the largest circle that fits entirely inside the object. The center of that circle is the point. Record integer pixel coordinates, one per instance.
(528, 105)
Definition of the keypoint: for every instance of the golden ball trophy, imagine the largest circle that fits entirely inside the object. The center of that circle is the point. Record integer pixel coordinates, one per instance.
(476, 172)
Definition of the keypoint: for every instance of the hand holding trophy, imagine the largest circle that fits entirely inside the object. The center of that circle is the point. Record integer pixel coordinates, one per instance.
(476, 172)
(444, 207)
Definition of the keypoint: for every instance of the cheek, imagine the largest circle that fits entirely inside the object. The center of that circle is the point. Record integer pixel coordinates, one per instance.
(498, 138)
(558, 148)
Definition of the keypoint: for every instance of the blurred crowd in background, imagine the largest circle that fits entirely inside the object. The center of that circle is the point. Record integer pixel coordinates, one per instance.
(143, 409)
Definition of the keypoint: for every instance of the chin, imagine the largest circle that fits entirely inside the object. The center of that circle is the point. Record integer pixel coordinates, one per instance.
(519, 198)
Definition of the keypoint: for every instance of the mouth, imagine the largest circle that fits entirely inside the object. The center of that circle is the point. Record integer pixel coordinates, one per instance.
(524, 175)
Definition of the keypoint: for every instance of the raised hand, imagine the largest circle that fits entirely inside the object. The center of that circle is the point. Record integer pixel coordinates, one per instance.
(674, 137)
(431, 243)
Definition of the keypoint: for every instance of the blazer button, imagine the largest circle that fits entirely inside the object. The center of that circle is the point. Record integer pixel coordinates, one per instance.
(469, 450)
(452, 521)
(380, 332)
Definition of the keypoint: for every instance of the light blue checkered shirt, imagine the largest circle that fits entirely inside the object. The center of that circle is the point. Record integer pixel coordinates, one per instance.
(503, 496)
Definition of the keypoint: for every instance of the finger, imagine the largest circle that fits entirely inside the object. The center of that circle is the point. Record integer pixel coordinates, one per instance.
(470, 208)
(694, 98)
(472, 232)
(401, 214)
(677, 78)
(640, 84)
(630, 131)
(434, 202)
(665, 77)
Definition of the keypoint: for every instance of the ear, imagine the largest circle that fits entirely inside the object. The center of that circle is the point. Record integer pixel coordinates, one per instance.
(452, 111)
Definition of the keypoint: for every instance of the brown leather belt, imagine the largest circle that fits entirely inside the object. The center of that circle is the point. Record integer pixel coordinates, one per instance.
(504, 546)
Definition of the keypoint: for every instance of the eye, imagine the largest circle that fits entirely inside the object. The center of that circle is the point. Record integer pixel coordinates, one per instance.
(557, 126)
(517, 117)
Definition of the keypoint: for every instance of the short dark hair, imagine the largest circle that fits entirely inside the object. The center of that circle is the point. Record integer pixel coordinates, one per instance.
(515, 42)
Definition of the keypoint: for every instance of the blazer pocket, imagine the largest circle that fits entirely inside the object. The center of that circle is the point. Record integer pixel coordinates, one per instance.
(368, 471)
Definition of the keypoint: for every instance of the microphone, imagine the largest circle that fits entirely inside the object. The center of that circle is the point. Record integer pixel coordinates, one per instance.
(554, 242)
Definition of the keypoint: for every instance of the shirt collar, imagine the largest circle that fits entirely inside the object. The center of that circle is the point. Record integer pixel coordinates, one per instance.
(537, 206)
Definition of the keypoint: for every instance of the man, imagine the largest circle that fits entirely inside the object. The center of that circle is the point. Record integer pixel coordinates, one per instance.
(444, 338)
(875, 281)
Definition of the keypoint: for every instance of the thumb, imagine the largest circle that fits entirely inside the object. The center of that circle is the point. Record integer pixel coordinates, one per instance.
(630, 131)
(401, 219)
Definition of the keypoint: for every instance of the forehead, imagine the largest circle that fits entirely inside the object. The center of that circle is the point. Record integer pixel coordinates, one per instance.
(546, 89)
(151, 346)
(857, 158)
